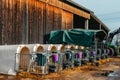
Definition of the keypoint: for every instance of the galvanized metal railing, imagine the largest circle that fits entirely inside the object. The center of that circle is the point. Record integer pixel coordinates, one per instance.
(33, 63)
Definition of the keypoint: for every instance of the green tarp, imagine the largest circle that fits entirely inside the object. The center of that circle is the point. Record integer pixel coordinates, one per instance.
(56, 37)
(75, 36)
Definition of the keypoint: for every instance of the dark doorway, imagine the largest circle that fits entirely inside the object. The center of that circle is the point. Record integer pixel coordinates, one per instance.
(79, 22)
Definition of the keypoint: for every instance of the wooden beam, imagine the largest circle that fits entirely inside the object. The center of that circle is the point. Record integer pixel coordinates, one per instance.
(67, 7)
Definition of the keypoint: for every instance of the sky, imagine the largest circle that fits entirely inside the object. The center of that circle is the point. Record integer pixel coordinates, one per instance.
(108, 11)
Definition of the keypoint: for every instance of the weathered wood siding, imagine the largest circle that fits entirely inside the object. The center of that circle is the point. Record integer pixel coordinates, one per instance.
(0, 22)
(30, 21)
(67, 20)
(11, 20)
(36, 21)
(67, 7)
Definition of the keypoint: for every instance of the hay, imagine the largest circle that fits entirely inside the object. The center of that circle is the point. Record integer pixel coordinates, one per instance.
(40, 49)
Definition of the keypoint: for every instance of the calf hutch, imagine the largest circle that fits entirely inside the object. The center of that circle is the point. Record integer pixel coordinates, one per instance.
(9, 61)
(17, 58)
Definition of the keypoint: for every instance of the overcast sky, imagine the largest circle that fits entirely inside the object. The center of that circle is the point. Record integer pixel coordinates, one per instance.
(108, 11)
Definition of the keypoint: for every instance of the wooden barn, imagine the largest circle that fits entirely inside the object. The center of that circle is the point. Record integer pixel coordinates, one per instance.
(30, 21)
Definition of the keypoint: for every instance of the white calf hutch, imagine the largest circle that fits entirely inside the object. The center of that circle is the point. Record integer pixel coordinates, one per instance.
(16, 58)
(10, 61)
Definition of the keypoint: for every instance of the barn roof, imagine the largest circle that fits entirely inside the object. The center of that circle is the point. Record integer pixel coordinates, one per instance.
(70, 2)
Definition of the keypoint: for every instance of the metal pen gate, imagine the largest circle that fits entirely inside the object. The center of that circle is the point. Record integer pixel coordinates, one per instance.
(32, 63)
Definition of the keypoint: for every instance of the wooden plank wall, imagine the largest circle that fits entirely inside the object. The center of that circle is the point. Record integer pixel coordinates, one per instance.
(30, 21)
(10, 27)
(67, 7)
(67, 20)
(0, 22)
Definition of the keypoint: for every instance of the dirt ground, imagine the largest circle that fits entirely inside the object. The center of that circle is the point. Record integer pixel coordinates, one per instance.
(109, 69)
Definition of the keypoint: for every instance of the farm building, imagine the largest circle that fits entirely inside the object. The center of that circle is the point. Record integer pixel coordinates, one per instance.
(31, 21)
